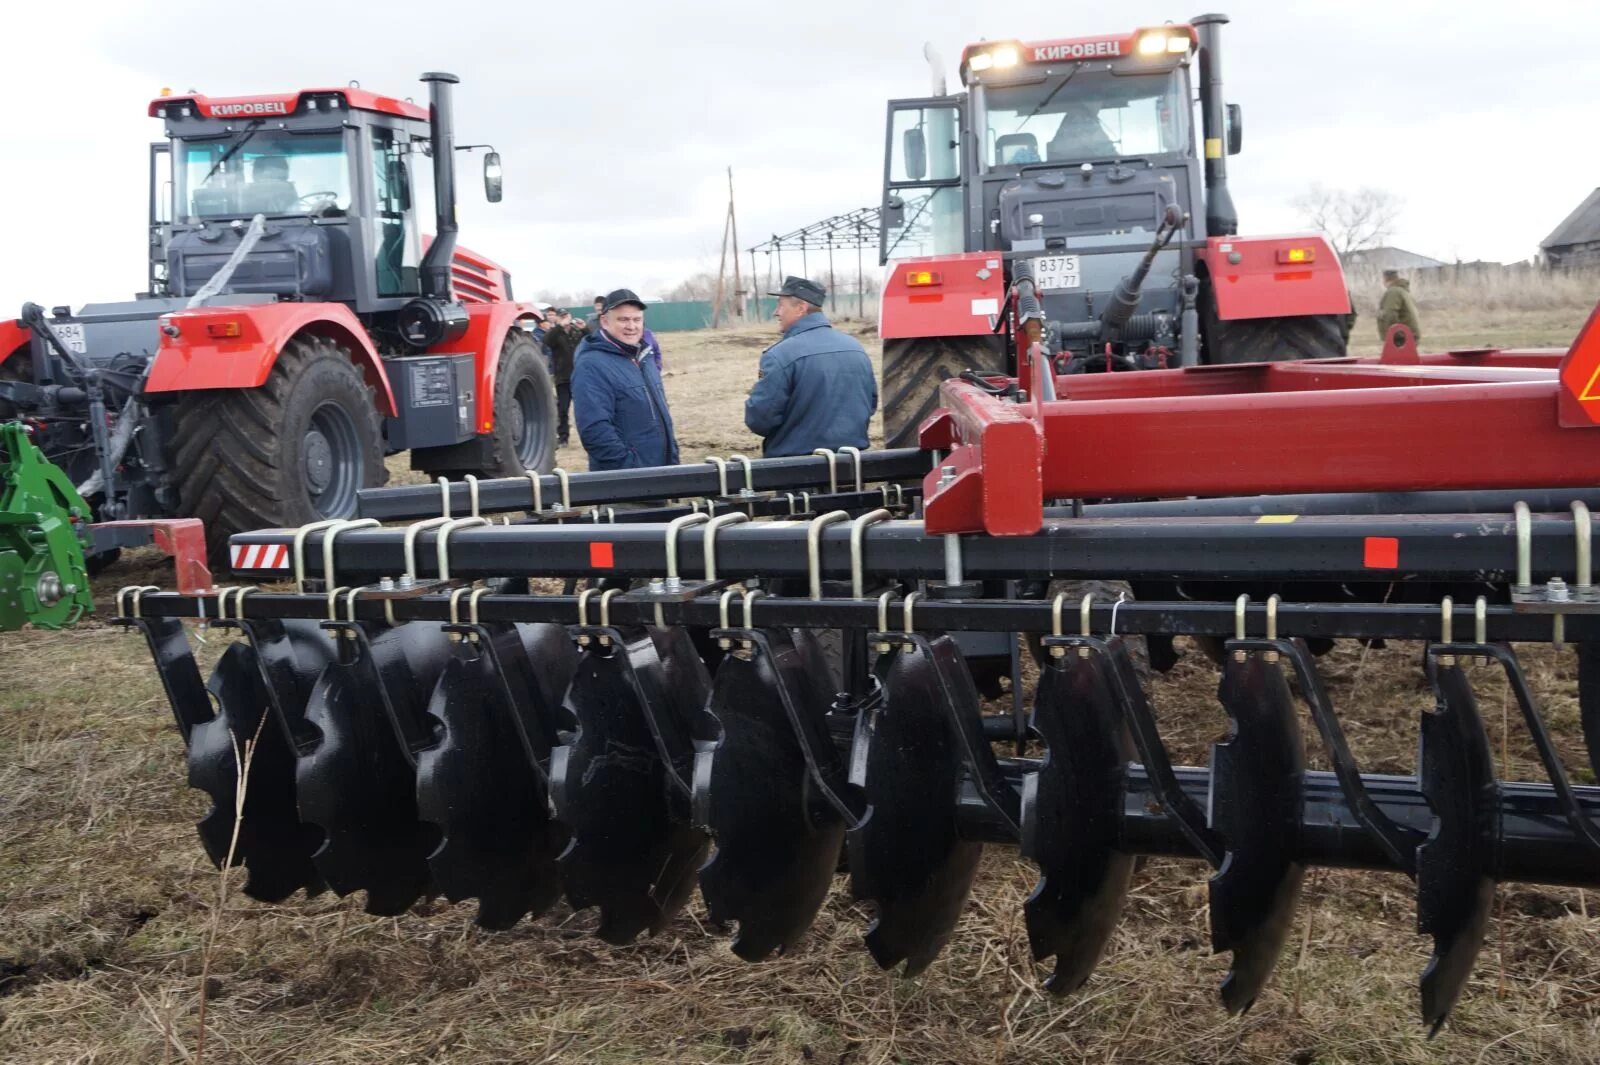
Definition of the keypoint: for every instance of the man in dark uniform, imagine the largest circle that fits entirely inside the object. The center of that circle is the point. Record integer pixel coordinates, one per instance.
(562, 334)
(816, 387)
(617, 397)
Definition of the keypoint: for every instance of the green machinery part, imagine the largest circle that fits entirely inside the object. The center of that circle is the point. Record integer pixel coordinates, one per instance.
(44, 531)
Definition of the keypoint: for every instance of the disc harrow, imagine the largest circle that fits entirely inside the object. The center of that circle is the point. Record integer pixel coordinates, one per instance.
(679, 723)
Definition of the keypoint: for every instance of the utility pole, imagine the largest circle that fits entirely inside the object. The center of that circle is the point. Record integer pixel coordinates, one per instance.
(730, 249)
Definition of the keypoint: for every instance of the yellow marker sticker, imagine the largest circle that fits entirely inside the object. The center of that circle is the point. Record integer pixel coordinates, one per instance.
(1213, 147)
(1276, 519)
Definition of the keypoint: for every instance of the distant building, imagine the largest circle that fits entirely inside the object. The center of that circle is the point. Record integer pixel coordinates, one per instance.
(1386, 258)
(1576, 241)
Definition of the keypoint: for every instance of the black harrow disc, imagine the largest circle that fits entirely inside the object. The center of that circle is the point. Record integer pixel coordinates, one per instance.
(482, 785)
(1256, 778)
(633, 851)
(777, 841)
(357, 781)
(1071, 817)
(270, 844)
(906, 855)
(1455, 888)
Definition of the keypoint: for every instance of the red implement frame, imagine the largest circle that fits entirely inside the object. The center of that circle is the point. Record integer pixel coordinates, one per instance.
(1408, 422)
(184, 539)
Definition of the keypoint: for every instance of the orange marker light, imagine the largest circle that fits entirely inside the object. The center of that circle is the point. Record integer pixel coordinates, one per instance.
(1297, 255)
(222, 330)
(923, 277)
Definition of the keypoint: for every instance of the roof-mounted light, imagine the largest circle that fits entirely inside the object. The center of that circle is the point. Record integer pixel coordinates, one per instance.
(1160, 42)
(995, 58)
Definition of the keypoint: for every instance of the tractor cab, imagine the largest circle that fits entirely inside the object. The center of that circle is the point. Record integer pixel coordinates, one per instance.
(343, 180)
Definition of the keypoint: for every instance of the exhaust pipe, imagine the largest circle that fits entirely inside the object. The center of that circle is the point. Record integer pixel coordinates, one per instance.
(435, 268)
(1222, 220)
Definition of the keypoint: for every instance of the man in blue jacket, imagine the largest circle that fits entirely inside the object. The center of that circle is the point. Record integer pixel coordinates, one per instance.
(816, 387)
(617, 398)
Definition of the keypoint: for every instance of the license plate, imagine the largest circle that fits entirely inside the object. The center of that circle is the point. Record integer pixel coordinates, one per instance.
(71, 334)
(1056, 271)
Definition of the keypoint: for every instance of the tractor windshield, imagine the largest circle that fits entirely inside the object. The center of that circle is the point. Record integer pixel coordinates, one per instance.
(262, 171)
(1086, 115)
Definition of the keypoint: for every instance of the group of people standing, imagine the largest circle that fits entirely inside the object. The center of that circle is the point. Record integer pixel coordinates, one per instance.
(814, 388)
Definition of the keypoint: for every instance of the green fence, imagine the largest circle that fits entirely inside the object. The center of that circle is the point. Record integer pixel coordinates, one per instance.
(668, 317)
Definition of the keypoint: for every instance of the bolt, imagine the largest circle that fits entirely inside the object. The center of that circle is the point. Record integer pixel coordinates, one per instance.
(1240, 656)
(724, 643)
(406, 581)
(1058, 652)
(386, 584)
(1556, 590)
(583, 641)
(1271, 656)
(1083, 652)
(657, 586)
(674, 584)
(882, 647)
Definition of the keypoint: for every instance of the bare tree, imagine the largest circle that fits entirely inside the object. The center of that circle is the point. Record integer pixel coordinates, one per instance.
(1353, 220)
(700, 286)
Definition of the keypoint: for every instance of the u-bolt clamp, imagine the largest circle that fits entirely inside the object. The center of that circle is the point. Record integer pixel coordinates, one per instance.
(855, 456)
(444, 497)
(442, 541)
(1055, 621)
(1239, 606)
(136, 593)
(882, 646)
(905, 606)
(605, 612)
(333, 532)
(1524, 521)
(833, 468)
(1583, 532)
(1272, 626)
(673, 583)
(1447, 626)
(722, 474)
(858, 531)
(583, 615)
(566, 492)
(749, 489)
(472, 494)
(409, 577)
(535, 478)
(814, 546)
(298, 549)
(711, 538)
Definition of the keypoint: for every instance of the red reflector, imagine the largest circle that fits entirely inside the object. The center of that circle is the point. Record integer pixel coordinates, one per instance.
(1297, 255)
(222, 330)
(1381, 552)
(601, 555)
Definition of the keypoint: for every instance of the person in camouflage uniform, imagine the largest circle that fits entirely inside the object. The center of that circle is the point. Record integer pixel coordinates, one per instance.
(1397, 306)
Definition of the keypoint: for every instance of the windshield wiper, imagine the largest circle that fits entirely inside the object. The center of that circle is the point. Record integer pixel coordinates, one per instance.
(1051, 96)
(251, 131)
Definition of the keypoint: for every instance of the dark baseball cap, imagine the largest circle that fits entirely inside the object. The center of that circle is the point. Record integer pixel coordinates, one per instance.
(621, 296)
(802, 288)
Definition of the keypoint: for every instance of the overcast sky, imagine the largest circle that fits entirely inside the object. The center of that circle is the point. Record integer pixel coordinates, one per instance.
(616, 120)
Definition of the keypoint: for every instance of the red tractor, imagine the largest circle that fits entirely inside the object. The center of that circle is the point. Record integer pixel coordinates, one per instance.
(1059, 199)
(298, 326)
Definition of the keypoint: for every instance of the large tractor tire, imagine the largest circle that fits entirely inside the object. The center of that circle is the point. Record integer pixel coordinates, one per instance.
(913, 370)
(293, 451)
(1304, 336)
(524, 436)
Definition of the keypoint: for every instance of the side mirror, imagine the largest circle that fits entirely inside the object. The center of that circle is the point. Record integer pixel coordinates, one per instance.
(492, 174)
(915, 149)
(1235, 126)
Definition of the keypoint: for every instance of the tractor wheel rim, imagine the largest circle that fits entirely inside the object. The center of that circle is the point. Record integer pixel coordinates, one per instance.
(525, 424)
(331, 461)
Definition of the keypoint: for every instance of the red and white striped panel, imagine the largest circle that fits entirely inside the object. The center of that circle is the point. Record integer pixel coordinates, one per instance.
(258, 556)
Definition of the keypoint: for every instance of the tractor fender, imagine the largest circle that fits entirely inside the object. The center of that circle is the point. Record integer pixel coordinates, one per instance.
(961, 292)
(1275, 277)
(236, 347)
(487, 326)
(14, 337)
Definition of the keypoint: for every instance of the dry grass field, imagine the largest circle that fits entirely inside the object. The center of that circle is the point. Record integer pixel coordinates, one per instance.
(107, 905)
